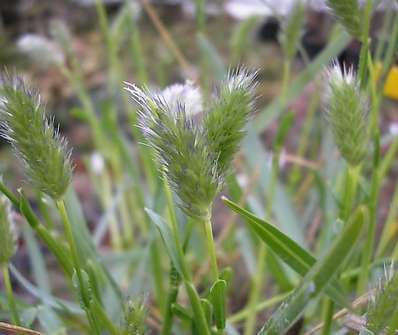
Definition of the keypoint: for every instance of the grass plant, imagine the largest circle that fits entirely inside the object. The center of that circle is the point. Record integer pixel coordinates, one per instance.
(294, 243)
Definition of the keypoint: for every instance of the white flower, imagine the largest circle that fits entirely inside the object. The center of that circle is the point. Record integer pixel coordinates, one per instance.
(187, 95)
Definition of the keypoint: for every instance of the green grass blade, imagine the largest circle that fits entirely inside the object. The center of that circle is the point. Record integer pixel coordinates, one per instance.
(282, 205)
(212, 56)
(60, 251)
(168, 239)
(217, 293)
(37, 260)
(46, 298)
(316, 280)
(299, 259)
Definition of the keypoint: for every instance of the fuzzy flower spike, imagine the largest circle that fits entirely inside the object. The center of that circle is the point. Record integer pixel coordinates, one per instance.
(347, 112)
(34, 139)
(383, 304)
(349, 15)
(225, 122)
(195, 157)
(180, 150)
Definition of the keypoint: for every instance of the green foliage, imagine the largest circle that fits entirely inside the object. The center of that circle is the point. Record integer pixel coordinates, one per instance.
(304, 256)
(348, 14)
(34, 139)
(7, 232)
(347, 113)
(317, 278)
(299, 259)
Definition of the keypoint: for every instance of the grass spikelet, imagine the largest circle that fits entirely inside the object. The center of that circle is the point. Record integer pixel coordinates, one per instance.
(225, 122)
(7, 232)
(384, 305)
(292, 29)
(34, 139)
(347, 113)
(181, 151)
(135, 315)
(348, 14)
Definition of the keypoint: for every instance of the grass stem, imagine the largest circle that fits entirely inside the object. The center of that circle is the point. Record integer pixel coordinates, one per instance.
(211, 248)
(10, 295)
(255, 291)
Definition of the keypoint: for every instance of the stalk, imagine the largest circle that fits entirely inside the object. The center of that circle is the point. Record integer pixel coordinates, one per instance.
(77, 266)
(71, 241)
(10, 295)
(255, 291)
(200, 15)
(287, 64)
(157, 274)
(242, 314)
(363, 64)
(328, 316)
(171, 299)
(211, 248)
(350, 191)
(200, 318)
(370, 240)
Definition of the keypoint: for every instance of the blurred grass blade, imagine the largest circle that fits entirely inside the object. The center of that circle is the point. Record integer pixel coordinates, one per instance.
(38, 264)
(320, 275)
(212, 57)
(48, 299)
(240, 39)
(217, 293)
(50, 321)
(282, 205)
(298, 85)
(181, 312)
(299, 259)
(168, 239)
(81, 233)
(60, 251)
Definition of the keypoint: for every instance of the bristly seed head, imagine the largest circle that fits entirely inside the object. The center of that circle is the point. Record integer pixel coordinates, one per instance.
(33, 137)
(7, 232)
(383, 304)
(195, 157)
(349, 15)
(347, 112)
(224, 123)
(181, 151)
(292, 28)
(135, 315)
